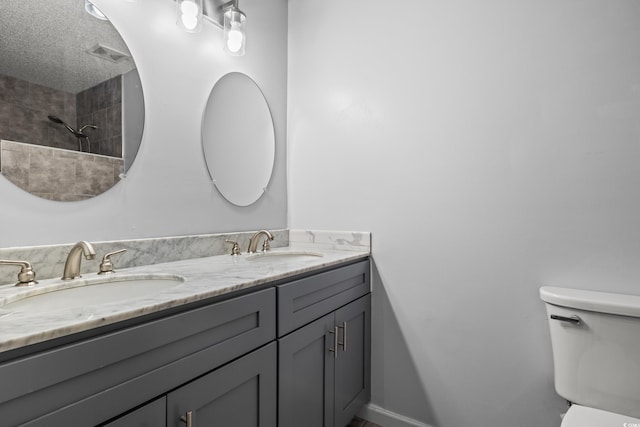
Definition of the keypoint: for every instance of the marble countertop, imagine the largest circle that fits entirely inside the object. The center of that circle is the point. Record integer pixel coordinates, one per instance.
(203, 278)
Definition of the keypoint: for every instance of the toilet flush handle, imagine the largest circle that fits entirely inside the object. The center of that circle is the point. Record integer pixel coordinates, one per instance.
(572, 319)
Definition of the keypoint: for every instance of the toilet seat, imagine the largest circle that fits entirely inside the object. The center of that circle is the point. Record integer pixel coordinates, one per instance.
(582, 416)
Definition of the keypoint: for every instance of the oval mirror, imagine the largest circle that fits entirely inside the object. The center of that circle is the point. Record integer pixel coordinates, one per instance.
(238, 139)
(71, 103)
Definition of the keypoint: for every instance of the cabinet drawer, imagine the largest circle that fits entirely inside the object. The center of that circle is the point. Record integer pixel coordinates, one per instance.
(93, 380)
(305, 300)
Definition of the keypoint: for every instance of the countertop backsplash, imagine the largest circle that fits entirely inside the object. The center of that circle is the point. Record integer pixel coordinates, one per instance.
(48, 261)
(339, 240)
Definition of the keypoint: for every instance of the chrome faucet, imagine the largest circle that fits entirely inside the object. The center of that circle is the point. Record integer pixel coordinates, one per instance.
(253, 243)
(72, 266)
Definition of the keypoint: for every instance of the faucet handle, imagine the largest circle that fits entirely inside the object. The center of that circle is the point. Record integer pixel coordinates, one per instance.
(235, 250)
(106, 266)
(26, 277)
(266, 246)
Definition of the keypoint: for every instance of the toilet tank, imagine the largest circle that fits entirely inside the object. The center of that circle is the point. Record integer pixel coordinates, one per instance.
(595, 337)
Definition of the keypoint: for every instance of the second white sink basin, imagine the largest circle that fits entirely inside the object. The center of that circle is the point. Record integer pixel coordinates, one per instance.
(276, 256)
(97, 290)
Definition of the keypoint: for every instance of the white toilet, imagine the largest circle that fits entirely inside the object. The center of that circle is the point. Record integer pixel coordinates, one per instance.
(595, 338)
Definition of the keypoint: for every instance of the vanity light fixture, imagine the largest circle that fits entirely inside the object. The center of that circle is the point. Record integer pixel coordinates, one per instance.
(94, 11)
(225, 15)
(234, 33)
(190, 15)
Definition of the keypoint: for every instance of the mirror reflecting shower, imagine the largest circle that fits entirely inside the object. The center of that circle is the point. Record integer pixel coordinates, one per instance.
(72, 108)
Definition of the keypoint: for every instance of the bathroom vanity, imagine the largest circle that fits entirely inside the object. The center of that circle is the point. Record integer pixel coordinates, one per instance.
(289, 341)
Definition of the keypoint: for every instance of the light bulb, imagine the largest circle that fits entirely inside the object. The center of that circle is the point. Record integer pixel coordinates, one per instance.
(189, 22)
(234, 36)
(189, 8)
(234, 40)
(189, 14)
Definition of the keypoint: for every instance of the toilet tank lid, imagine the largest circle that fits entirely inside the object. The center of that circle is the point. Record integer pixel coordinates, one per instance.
(602, 302)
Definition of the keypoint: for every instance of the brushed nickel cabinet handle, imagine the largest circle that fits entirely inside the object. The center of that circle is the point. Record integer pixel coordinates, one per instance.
(344, 336)
(335, 342)
(187, 419)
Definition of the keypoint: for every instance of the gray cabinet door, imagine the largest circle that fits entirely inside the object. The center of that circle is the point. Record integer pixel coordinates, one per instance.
(240, 394)
(352, 367)
(305, 376)
(152, 414)
(324, 372)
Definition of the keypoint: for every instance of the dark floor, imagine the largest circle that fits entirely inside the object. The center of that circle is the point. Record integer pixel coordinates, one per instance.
(359, 422)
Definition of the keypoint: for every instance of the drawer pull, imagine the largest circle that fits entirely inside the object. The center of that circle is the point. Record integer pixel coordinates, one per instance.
(573, 319)
(344, 336)
(187, 419)
(335, 342)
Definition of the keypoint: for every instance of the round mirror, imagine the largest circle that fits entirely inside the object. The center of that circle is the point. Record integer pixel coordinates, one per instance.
(71, 104)
(238, 139)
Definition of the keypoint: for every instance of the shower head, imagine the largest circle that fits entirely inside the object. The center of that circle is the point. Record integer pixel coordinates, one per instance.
(76, 133)
(56, 119)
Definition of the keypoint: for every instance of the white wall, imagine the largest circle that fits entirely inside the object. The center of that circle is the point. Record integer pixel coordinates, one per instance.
(491, 147)
(168, 191)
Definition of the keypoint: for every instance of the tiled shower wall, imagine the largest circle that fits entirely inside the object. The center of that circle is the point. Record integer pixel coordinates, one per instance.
(24, 108)
(57, 174)
(101, 105)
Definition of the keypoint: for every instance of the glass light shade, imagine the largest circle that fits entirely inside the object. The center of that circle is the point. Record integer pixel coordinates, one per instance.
(234, 32)
(190, 15)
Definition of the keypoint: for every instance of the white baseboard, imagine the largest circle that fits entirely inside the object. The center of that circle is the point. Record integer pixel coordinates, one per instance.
(385, 418)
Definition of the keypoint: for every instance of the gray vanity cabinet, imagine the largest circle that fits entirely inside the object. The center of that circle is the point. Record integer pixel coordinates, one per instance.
(324, 365)
(292, 353)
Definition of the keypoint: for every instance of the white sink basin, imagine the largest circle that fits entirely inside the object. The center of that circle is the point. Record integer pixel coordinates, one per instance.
(275, 256)
(97, 290)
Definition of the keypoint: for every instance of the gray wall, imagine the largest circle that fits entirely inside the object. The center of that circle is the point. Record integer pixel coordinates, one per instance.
(491, 147)
(167, 190)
